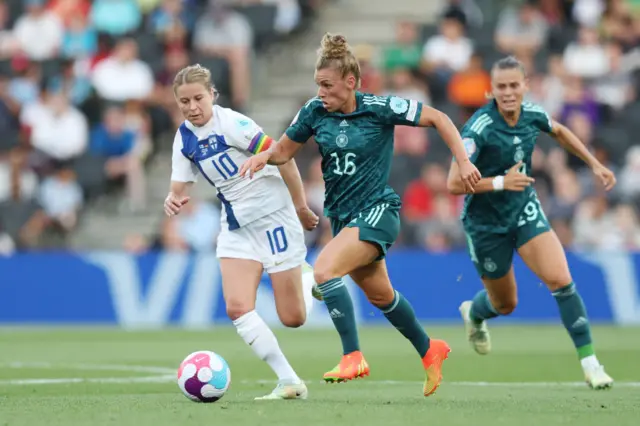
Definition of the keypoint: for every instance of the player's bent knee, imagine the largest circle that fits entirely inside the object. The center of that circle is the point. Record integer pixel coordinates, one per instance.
(294, 319)
(381, 299)
(506, 307)
(237, 309)
(323, 274)
(556, 283)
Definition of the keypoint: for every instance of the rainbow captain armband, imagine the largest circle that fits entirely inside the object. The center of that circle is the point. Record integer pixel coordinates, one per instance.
(260, 143)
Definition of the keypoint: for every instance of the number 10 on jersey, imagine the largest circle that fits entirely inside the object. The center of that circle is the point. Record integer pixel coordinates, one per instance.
(344, 165)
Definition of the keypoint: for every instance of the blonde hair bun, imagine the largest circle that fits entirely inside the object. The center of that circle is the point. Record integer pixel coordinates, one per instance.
(334, 46)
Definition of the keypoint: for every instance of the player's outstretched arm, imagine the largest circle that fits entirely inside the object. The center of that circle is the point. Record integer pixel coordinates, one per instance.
(569, 141)
(293, 180)
(277, 154)
(178, 196)
(513, 180)
(431, 117)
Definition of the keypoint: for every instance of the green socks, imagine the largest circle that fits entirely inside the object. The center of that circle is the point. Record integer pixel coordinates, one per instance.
(340, 307)
(400, 313)
(574, 318)
(481, 308)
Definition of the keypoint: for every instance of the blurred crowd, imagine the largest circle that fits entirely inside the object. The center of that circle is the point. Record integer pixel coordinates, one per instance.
(64, 118)
(85, 95)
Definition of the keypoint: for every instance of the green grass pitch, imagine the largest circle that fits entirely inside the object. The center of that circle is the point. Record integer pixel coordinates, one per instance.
(113, 377)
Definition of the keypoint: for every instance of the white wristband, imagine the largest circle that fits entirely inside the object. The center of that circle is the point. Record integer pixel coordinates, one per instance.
(498, 183)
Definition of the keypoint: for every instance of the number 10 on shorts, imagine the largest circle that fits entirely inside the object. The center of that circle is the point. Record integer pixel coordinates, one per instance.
(277, 240)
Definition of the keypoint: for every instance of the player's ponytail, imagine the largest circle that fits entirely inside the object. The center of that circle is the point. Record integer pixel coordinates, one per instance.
(336, 53)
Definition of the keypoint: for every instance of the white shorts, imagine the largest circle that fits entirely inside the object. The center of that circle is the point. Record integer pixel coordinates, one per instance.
(276, 241)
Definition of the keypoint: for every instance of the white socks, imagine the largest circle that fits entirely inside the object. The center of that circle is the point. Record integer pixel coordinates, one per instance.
(257, 334)
(307, 285)
(589, 362)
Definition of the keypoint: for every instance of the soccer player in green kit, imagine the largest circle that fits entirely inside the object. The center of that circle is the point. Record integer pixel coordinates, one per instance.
(504, 214)
(354, 133)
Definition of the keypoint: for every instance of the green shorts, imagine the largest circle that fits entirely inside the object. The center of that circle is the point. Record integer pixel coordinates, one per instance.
(492, 252)
(379, 225)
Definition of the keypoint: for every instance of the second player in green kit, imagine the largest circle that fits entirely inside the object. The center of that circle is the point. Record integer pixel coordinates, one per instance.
(354, 132)
(504, 215)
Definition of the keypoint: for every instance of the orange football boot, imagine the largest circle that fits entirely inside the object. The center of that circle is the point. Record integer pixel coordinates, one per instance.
(432, 362)
(352, 366)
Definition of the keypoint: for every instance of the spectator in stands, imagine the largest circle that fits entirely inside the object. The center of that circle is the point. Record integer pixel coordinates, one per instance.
(76, 86)
(116, 144)
(57, 131)
(162, 95)
(578, 98)
(586, 57)
(371, 79)
(80, 41)
(548, 89)
(442, 230)
(521, 31)
(419, 198)
(16, 179)
(170, 13)
(222, 32)
(39, 32)
(467, 11)
(567, 194)
(468, 88)
(24, 88)
(70, 10)
(615, 89)
(405, 52)
(630, 176)
(8, 43)
(115, 17)
(123, 76)
(288, 14)
(195, 229)
(9, 110)
(446, 53)
(61, 199)
(592, 222)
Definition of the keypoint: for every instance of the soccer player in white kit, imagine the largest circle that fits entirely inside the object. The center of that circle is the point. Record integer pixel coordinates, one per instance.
(262, 219)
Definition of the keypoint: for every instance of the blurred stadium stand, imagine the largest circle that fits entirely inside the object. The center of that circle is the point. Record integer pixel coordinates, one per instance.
(90, 169)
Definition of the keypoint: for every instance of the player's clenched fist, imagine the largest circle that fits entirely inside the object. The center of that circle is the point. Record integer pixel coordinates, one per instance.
(173, 204)
(308, 218)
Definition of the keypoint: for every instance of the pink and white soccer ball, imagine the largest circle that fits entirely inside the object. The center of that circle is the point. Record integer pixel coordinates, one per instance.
(204, 376)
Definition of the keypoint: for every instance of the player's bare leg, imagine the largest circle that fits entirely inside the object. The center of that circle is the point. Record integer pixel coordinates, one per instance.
(240, 280)
(374, 281)
(339, 257)
(545, 256)
(499, 297)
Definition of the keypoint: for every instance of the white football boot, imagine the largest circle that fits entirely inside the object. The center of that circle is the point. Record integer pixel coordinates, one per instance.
(286, 390)
(597, 378)
(477, 334)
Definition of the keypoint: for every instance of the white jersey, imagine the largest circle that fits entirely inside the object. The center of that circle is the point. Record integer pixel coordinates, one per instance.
(217, 150)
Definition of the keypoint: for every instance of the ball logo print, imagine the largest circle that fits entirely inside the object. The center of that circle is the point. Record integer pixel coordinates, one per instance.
(398, 105)
(204, 376)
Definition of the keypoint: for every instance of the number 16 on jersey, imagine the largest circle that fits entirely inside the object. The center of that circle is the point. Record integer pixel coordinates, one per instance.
(344, 165)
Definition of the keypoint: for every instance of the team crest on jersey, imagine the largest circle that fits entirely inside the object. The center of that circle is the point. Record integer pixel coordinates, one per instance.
(469, 146)
(398, 105)
(204, 147)
(342, 140)
(490, 265)
(519, 155)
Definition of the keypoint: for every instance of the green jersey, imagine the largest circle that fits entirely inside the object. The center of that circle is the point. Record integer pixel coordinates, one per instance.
(356, 149)
(494, 147)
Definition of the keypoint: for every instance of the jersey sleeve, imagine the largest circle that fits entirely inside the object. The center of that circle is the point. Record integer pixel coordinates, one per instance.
(245, 134)
(473, 135)
(539, 117)
(182, 170)
(301, 128)
(396, 111)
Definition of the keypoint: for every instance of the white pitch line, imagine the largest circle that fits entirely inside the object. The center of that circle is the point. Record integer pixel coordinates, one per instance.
(101, 367)
(116, 380)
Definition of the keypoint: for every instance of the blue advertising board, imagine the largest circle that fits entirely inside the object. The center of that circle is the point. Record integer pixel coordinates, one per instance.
(159, 289)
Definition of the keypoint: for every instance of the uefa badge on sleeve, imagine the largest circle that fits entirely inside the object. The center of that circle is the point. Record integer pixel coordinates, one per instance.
(469, 146)
(398, 105)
